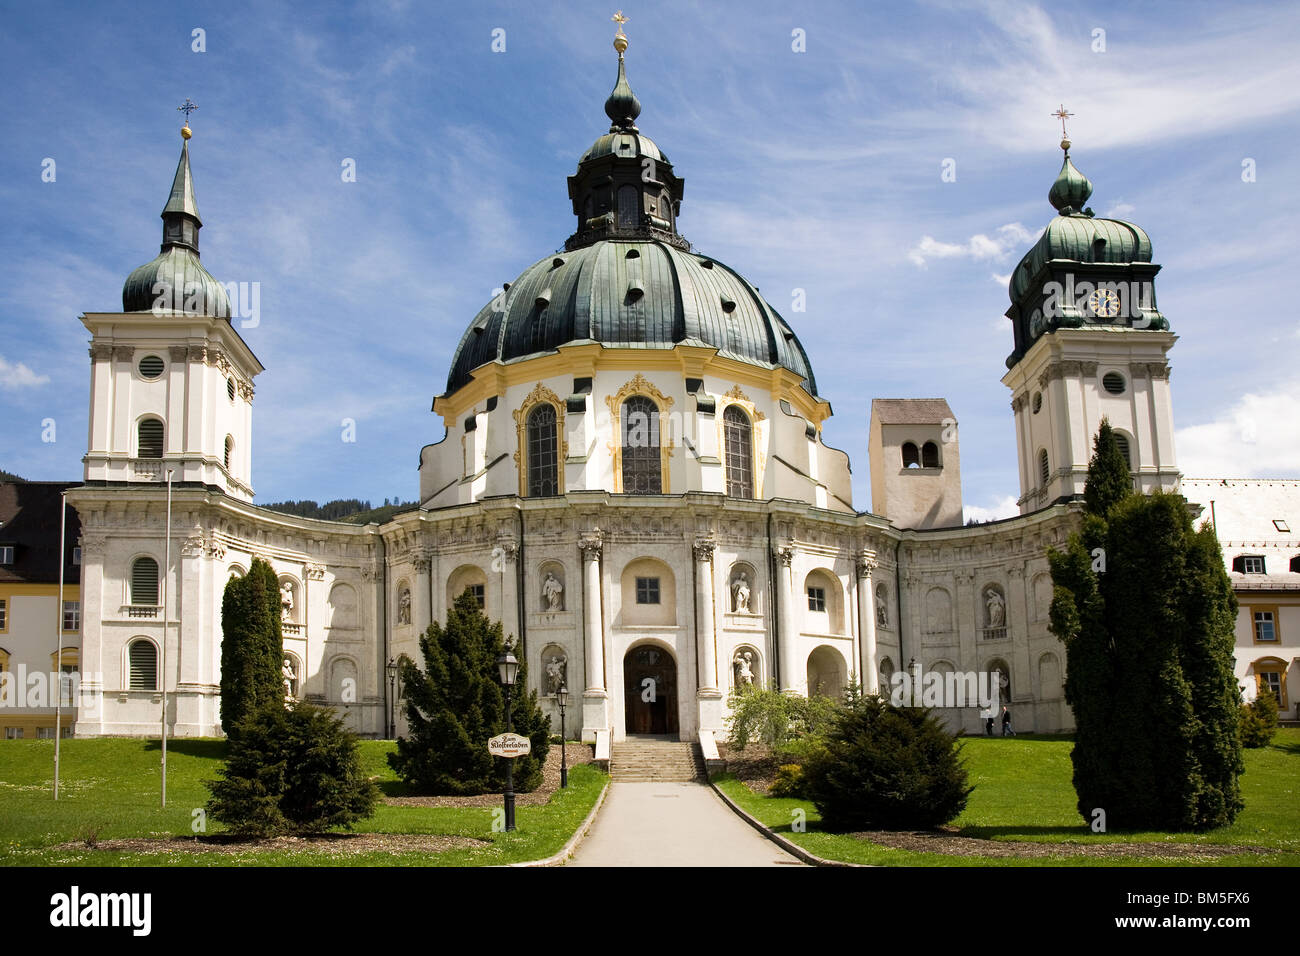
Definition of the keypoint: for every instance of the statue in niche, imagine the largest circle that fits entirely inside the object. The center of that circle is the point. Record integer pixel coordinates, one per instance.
(288, 676)
(882, 610)
(740, 594)
(286, 601)
(404, 606)
(555, 673)
(553, 591)
(996, 607)
(743, 663)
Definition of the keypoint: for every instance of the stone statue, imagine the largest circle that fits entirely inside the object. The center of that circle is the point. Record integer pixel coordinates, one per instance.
(288, 676)
(996, 608)
(740, 594)
(882, 611)
(404, 607)
(286, 601)
(555, 675)
(553, 591)
(743, 663)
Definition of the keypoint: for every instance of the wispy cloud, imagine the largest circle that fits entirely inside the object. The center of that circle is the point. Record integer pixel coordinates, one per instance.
(1005, 240)
(18, 375)
(1257, 436)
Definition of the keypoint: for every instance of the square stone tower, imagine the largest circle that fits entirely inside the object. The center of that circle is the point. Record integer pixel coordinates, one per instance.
(915, 462)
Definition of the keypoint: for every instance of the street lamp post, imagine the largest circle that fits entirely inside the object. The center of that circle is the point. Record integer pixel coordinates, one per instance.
(508, 668)
(391, 668)
(915, 669)
(562, 697)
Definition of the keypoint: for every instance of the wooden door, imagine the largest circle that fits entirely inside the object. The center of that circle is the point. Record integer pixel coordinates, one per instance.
(650, 691)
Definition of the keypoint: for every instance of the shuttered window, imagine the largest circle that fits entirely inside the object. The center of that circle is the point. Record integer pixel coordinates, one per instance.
(144, 581)
(151, 439)
(143, 659)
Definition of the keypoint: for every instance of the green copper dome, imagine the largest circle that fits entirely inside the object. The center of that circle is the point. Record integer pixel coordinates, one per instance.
(629, 294)
(175, 279)
(1071, 189)
(626, 279)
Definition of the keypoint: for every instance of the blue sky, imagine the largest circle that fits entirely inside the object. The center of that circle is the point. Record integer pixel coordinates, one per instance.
(816, 170)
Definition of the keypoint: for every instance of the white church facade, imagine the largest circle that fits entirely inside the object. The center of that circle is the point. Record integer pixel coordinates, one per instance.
(632, 479)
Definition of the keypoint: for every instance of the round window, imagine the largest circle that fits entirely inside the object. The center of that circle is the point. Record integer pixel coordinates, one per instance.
(1113, 382)
(1038, 402)
(151, 366)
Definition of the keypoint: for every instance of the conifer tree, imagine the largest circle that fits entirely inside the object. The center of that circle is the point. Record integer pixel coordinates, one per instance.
(456, 704)
(252, 650)
(1146, 612)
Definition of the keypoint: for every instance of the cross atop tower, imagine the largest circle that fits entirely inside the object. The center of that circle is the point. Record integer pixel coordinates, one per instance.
(1062, 115)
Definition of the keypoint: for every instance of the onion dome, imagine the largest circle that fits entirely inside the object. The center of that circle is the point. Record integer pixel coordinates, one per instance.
(1071, 189)
(175, 280)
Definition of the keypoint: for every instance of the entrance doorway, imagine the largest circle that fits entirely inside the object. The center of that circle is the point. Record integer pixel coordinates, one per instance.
(650, 691)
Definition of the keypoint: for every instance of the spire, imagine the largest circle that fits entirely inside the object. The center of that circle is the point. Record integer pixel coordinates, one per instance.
(180, 216)
(622, 107)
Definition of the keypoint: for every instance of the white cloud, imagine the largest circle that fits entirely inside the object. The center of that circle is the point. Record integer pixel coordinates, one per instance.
(1120, 210)
(1002, 280)
(19, 375)
(1004, 507)
(1258, 436)
(1008, 238)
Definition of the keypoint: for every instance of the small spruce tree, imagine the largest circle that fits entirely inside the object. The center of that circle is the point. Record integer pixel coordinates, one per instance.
(294, 769)
(885, 767)
(1259, 719)
(456, 704)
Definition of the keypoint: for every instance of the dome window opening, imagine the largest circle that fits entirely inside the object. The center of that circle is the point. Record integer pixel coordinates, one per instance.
(728, 305)
(1113, 382)
(557, 262)
(632, 254)
(151, 366)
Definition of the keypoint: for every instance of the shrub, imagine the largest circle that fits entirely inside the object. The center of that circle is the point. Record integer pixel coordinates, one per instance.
(292, 769)
(1259, 720)
(251, 648)
(456, 704)
(886, 767)
(788, 782)
(777, 719)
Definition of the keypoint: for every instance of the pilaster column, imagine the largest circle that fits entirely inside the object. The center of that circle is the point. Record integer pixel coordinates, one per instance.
(866, 566)
(788, 641)
(706, 643)
(421, 613)
(595, 699)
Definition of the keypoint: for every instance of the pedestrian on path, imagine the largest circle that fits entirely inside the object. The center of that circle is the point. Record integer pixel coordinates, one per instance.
(1006, 723)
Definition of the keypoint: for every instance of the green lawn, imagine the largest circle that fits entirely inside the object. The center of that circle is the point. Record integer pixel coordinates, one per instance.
(1023, 792)
(110, 789)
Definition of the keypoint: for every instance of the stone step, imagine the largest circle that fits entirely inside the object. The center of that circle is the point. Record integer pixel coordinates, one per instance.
(656, 760)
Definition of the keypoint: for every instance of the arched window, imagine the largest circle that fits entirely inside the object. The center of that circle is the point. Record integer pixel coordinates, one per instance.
(144, 582)
(629, 202)
(911, 458)
(150, 434)
(1044, 468)
(543, 452)
(1124, 449)
(930, 455)
(740, 452)
(230, 448)
(666, 208)
(142, 659)
(642, 469)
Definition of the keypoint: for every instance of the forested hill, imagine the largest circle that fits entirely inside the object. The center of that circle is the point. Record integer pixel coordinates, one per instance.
(351, 510)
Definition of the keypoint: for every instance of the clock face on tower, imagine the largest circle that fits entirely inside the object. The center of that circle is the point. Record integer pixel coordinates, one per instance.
(1104, 303)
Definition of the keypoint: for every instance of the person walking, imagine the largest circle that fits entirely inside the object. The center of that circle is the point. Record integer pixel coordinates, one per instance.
(1006, 723)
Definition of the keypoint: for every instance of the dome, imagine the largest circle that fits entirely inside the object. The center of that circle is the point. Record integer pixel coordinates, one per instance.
(629, 294)
(1081, 238)
(175, 280)
(622, 143)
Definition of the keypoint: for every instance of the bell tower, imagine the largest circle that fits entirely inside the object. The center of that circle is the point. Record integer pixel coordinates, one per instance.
(1090, 343)
(171, 382)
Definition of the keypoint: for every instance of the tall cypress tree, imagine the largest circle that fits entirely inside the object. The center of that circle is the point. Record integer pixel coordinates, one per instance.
(251, 646)
(1146, 612)
(457, 704)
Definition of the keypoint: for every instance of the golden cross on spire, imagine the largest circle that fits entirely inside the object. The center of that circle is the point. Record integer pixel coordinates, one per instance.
(620, 38)
(187, 108)
(620, 20)
(1062, 115)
